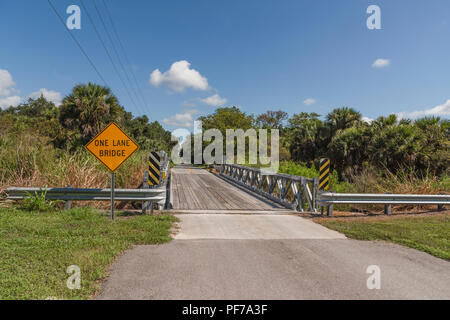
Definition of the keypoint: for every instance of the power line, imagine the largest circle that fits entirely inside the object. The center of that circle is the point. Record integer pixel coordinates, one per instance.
(78, 44)
(108, 54)
(114, 47)
(124, 52)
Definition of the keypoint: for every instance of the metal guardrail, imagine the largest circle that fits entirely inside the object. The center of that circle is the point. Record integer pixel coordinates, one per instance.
(328, 199)
(156, 194)
(293, 192)
(361, 198)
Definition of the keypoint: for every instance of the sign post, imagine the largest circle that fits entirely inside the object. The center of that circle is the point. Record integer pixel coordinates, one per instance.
(112, 147)
(112, 195)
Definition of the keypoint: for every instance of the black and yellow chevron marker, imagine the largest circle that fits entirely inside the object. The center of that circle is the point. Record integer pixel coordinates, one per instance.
(324, 174)
(154, 168)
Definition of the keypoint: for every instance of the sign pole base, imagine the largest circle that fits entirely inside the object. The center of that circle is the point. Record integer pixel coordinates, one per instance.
(112, 196)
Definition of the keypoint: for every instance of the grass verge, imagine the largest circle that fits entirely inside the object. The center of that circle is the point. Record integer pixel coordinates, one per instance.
(37, 247)
(429, 233)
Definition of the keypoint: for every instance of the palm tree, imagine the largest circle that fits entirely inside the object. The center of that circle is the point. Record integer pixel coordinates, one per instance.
(343, 118)
(88, 108)
(304, 136)
(385, 122)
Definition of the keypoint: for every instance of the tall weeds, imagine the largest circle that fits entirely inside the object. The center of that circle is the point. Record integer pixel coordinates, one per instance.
(32, 161)
(404, 181)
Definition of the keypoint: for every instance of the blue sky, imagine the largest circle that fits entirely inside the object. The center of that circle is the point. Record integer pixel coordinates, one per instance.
(299, 55)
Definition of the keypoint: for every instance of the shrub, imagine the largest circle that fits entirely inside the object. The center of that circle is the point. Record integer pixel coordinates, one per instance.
(38, 202)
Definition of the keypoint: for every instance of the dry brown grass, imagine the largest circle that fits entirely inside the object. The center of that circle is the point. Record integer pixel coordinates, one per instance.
(403, 182)
(31, 161)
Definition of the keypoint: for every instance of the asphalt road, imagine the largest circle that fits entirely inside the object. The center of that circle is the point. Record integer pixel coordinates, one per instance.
(245, 258)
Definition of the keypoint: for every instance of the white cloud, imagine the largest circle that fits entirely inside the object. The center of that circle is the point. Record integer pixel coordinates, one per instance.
(309, 101)
(188, 103)
(214, 100)
(6, 83)
(440, 110)
(367, 119)
(6, 89)
(184, 120)
(9, 101)
(381, 63)
(50, 95)
(179, 77)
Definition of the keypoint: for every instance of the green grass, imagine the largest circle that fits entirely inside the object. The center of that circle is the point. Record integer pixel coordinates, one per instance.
(426, 233)
(37, 247)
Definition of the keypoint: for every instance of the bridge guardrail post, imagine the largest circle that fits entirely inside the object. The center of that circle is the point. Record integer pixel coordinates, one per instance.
(330, 210)
(387, 207)
(145, 204)
(222, 167)
(440, 207)
(298, 198)
(302, 194)
(164, 167)
(315, 192)
(169, 195)
(68, 203)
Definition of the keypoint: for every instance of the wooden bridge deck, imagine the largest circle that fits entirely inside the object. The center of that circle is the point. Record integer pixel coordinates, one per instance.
(197, 189)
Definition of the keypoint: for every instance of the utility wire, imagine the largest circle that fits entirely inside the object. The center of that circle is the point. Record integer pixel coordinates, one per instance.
(78, 44)
(108, 54)
(124, 52)
(114, 48)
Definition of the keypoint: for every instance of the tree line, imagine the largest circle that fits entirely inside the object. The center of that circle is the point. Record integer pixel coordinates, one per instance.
(353, 145)
(82, 114)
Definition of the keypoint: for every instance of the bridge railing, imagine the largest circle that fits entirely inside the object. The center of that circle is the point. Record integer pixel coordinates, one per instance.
(293, 192)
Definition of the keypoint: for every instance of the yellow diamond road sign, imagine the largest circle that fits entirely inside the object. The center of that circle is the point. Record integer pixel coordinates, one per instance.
(112, 146)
